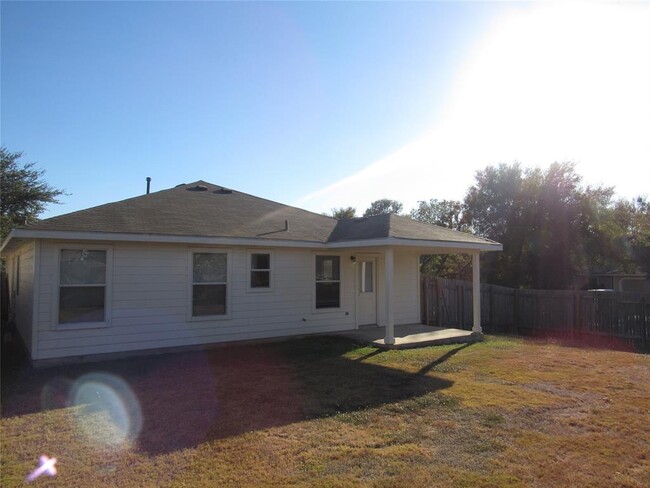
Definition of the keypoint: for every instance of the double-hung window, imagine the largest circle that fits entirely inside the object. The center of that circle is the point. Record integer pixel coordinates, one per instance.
(328, 282)
(209, 283)
(260, 271)
(82, 286)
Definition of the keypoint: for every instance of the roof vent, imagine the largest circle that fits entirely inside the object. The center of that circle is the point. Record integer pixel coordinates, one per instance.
(223, 191)
(198, 188)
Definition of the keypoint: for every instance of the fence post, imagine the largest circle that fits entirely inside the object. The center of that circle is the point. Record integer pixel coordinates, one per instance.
(576, 315)
(515, 312)
(438, 302)
(644, 324)
(490, 306)
(424, 310)
(460, 290)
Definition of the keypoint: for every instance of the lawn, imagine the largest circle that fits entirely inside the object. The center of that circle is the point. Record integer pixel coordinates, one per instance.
(327, 412)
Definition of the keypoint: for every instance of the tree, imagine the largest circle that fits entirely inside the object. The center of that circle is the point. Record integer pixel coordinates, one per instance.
(24, 195)
(551, 227)
(445, 213)
(496, 208)
(640, 234)
(344, 213)
(383, 206)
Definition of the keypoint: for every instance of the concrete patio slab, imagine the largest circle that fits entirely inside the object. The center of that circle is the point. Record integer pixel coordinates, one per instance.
(412, 336)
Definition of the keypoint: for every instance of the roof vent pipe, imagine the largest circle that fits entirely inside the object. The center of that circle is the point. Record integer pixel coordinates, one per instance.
(148, 184)
(286, 225)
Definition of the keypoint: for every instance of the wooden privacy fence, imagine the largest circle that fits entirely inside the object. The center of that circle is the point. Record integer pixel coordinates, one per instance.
(589, 315)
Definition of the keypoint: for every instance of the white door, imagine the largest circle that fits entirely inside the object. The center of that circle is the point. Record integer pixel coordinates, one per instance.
(367, 291)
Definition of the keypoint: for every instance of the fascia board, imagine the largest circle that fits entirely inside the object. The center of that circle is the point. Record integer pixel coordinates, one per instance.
(248, 241)
(157, 238)
(392, 241)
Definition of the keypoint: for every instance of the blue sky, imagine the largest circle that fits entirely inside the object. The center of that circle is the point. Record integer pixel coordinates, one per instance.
(322, 104)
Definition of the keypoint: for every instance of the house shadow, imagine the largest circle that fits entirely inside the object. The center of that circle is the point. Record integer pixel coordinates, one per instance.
(186, 399)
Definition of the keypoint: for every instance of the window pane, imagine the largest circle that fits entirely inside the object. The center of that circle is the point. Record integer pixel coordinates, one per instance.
(83, 267)
(260, 279)
(81, 304)
(260, 261)
(210, 267)
(209, 300)
(327, 295)
(328, 268)
(366, 276)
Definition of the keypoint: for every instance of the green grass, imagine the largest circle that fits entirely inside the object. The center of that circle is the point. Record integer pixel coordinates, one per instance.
(326, 412)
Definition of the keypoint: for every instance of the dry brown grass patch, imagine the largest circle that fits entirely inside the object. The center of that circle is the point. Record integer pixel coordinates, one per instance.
(326, 412)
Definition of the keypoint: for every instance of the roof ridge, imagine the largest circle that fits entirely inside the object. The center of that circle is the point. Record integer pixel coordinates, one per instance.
(283, 204)
(175, 188)
(89, 209)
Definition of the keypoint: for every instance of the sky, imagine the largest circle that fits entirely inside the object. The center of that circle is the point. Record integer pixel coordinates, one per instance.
(323, 105)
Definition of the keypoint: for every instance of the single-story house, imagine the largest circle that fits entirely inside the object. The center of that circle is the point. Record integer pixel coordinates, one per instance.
(199, 264)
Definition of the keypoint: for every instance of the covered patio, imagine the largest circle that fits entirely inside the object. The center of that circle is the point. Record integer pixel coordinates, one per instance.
(387, 243)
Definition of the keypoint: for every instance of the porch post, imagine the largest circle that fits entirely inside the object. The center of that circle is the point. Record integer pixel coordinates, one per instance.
(476, 292)
(389, 337)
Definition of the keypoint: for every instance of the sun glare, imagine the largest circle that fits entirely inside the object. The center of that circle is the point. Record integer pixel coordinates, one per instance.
(549, 83)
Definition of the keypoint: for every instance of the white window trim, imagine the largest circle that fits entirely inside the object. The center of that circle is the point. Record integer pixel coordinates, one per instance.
(271, 270)
(108, 302)
(313, 281)
(377, 258)
(190, 284)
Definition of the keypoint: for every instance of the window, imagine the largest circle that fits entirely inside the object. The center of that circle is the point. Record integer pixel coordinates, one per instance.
(366, 277)
(209, 283)
(82, 286)
(260, 270)
(328, 281)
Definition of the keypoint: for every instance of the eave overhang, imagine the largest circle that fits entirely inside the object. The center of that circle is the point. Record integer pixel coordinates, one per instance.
(19, 235)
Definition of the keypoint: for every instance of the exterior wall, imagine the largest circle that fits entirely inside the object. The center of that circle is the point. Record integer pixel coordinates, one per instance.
(406, 287)
(21, 290)
(150, 301)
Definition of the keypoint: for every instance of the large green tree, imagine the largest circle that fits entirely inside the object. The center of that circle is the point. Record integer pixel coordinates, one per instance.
(383, 206)
(23, 193)
(639, 234)
(550, 225)
(445, 213)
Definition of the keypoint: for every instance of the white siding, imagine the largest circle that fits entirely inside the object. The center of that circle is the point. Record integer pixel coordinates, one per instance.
(22, 297)
(150, 305)
(406, 288)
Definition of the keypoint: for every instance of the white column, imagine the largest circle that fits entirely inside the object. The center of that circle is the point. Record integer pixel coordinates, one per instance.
(476, 292)
(389, 337)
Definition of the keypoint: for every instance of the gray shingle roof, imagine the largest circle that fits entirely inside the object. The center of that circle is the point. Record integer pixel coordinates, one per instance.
(399, 227)
(201, 209)
(187, 210)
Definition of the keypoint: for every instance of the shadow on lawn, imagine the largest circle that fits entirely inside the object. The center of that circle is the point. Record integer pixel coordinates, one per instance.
(190, 398)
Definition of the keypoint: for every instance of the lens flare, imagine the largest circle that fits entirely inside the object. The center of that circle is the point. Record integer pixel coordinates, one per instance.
(109, 413)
